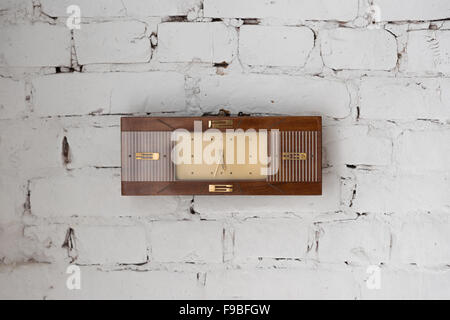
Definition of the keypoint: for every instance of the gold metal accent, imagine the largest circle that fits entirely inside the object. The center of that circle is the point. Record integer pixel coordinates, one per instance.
(293, 156)
(218, 124)
(147, 156)
(220, 188)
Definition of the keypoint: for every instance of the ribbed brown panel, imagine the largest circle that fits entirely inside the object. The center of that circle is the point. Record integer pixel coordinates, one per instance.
(274, 151)
(147, 170)
(295, 170)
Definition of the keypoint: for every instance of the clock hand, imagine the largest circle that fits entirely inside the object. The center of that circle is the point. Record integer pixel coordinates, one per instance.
(220, 162)
(223, 161)
(217, 167)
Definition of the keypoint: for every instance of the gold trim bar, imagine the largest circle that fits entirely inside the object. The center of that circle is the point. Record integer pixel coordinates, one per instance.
(147, 155)
(294, 156)
(220, 188)
(220, 124)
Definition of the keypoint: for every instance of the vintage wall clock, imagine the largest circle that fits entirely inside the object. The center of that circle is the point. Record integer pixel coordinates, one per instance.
(222, 155)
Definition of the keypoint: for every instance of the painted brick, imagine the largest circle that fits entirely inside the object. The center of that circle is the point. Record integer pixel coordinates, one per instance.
(401, 193)
(346, 48)
(303, 10)
(40, 281)
(12, 98)
(8, 6)
(270, 238)
(28, 281)
(112, 42)
(408, 285)
(261, 94)
(80, 93)
(198, 42)
(34, 150)
(66, 195)
(130, 284)
(49, 243)
(12, 197)
(401, 10)
(13, 249)
(110, 244)
(89, 9)
(94, 146)
(427, 52)
(275, 46)
(120, 8)
(348, 145)
(423, 151)
(160, 8)
(186, 241)
(354, 241)
(93, 244)
(37, 147)
(33, 45)
(404, 98)
(423, 240)
(281, 284)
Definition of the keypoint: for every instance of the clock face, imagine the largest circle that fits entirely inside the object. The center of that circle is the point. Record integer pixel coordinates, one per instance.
(233, 156)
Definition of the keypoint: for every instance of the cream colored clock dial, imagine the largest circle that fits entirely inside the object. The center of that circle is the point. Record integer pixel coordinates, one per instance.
(235, 163)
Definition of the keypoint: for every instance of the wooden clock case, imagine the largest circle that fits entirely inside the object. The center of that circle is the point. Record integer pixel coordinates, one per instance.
(297, 133)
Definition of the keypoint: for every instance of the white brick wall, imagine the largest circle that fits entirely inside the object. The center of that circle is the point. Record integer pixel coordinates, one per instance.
(428, 52)
(12, 98)
(383, 92)
(111, 244)
(402, 192)
(414, 152)
(346, 48)
(422, 239)
(84, 93)
(187, 241)
(282, 284)
(400, 10)
(23, 44)
(112, 42)
(263, 46)
(120, 8)
(69, 196)
(354, 242)
(270, 238)
(196, 42)
(302, 10)
(405, 99)
(348, 145)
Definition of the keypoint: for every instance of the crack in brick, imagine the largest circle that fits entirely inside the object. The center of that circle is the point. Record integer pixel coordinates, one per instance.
(27, 203)
(175, 19)
(66, 154)
(353, 195)
(70, 244)
(191, 207)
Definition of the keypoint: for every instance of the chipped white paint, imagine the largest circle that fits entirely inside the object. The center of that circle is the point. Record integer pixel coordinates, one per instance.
(284, 9)
(382, 89)
(112, 42)
(196, 42)
(263, 46)
(360, 49)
